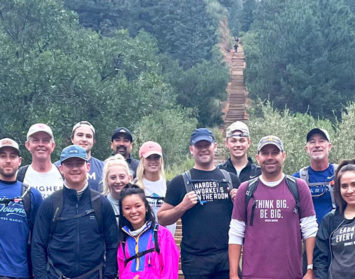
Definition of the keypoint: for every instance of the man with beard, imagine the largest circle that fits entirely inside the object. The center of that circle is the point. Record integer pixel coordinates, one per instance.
(238, 143)
(202, 198)
(320, 174)
(41, 173)
(16, 217)
(122, 142)
(271, 214)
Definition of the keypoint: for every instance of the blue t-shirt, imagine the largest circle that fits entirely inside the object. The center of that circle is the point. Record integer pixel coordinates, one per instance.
(321, 196)
(14, 229)
(94, 175)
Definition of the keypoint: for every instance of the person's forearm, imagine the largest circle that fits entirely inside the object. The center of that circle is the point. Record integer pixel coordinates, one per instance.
(310, 242)
(170, 215)
(234, 251)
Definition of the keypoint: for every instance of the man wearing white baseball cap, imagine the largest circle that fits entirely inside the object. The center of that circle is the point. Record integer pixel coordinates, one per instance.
(41, 173)
(238, 143)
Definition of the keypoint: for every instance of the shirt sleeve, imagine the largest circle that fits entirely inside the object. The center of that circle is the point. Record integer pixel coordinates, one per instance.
(40, 238)
(111, 239)
(169, 253)
(239, 206)
(175, 191)
(322, 253)
(306, 203)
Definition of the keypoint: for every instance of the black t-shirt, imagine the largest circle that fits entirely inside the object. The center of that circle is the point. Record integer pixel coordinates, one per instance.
(205, 226)
(342, 246)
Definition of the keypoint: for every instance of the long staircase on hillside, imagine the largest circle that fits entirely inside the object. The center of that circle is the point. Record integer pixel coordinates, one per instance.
(234, 109)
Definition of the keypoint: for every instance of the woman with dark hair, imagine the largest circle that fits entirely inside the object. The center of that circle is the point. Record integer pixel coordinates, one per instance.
(334, 252)
(146, 250)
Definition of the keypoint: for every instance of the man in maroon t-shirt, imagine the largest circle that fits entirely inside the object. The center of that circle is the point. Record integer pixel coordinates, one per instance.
(270, 227)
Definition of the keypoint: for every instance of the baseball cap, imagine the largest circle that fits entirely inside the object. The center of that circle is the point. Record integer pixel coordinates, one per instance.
(274, 140)
(237, 126)
(39, 127)
(7, 142)
(201, 134)
(73, 151)
(83, 123)
(124, 131)
(320, 131)
(148, 148)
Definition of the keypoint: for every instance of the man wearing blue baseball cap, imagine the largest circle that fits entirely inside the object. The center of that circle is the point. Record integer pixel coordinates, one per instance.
(202, 198)
(76, 232)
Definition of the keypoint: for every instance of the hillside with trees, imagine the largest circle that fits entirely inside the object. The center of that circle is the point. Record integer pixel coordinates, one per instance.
(156, 66)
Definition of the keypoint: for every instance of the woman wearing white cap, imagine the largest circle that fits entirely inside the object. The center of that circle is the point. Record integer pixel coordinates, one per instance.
(151, 176)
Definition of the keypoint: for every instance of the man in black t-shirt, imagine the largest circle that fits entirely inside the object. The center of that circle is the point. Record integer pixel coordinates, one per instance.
(205, 210)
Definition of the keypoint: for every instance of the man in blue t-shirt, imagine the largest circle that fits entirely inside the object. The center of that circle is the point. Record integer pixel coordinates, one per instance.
(16, 219)
(320, 174)
(83, 134)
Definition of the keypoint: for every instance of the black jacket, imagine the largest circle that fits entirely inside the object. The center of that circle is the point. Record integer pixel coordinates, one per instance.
(77, 245)
(322, 255)
(249, 172)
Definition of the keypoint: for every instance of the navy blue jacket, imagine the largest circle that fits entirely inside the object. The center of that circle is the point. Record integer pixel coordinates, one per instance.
(77, 244)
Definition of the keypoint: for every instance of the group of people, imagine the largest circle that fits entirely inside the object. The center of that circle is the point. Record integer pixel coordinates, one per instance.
(84, 218)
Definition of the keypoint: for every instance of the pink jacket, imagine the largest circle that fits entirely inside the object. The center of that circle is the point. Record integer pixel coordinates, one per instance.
(151, 265)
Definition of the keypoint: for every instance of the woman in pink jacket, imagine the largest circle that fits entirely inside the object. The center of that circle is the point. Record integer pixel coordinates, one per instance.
(147, 250)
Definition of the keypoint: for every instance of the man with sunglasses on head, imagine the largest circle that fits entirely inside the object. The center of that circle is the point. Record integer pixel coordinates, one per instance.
(202, 198)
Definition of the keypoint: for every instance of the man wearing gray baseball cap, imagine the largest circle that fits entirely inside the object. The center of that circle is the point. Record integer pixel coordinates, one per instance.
(271, 214)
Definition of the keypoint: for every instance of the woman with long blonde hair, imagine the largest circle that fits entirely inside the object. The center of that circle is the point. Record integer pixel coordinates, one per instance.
(116, 175)
(151, 176)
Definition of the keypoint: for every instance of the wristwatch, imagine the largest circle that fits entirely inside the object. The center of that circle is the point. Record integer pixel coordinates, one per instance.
(310, 266)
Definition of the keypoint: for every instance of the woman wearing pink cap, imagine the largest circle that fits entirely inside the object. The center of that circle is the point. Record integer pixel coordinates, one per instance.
(151, 176)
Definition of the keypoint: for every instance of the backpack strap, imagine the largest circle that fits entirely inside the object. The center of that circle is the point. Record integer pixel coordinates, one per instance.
(251, 188)
(304, 174)
(227, 179)
(291, 183)
(26, 200)
(189, 186)
(187, 181)
(21, 173)
(96, 204)
(57, 209)
(141, 254)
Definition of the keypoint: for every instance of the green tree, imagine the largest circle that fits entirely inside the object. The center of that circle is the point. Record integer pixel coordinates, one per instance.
(171, 129)
(56, 72)
(300, 55)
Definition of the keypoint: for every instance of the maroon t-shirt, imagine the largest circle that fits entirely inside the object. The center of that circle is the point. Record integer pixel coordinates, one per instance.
(272, 245)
